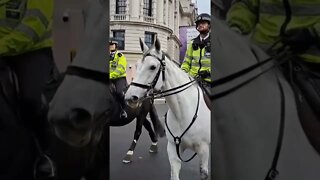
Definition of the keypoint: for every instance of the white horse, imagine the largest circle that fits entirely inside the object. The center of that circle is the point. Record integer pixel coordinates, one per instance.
(247, 123)
(158, 72)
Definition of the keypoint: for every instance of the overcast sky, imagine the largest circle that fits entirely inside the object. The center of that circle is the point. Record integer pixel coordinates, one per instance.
(203, 6)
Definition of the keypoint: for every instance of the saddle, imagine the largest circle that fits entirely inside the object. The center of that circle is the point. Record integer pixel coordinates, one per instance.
(305, 81)
(206, 89)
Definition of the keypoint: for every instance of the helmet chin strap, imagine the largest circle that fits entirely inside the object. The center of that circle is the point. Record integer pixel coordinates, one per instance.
(204, 33)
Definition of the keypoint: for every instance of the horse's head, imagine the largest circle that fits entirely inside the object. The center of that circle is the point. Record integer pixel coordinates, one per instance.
(149, 75)
(78, 108)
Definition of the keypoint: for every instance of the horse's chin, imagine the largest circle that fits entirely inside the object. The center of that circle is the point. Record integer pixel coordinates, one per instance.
(73, 140)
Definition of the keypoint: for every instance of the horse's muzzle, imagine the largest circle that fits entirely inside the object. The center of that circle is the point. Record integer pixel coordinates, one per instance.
(133, 101)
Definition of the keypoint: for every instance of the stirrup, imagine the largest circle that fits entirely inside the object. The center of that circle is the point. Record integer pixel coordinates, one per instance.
(44, 167)
(123, 114)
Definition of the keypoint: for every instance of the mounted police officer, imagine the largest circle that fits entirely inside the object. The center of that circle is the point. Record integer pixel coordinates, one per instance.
(197, 62)
(294, 23)
(118, 75)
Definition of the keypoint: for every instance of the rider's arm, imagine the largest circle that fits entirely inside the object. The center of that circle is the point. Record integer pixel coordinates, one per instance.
(32, 27)
(243, 15)
(186, 65)
(121, 67)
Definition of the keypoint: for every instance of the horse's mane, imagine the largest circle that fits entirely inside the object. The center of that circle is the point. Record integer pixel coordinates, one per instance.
(169, 57)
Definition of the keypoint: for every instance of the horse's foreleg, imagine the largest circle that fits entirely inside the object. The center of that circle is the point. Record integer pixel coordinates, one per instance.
(175, 162)
(158, 128)
(204, 161)
(137, 133)
(154, 147)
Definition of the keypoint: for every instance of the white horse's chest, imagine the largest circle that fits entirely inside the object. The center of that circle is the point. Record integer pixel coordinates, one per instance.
(195, 135)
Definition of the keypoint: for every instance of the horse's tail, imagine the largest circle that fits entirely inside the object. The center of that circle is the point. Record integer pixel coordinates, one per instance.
(158, 127)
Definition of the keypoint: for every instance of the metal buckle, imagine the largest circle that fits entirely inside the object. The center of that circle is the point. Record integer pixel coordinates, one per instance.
(177, 140)
(272, 174)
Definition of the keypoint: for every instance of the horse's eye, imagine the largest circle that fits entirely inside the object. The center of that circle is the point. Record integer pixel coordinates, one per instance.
(153, 67)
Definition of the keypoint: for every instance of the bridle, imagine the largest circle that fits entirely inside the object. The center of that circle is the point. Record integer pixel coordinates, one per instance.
(151, 86)
(86, 73)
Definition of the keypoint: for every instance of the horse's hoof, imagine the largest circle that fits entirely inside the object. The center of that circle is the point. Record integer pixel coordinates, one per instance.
(153, 148)
(127, 159)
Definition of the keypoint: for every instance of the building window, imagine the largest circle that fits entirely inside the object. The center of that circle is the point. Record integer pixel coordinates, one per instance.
(121, 6)
(119, 36)
(147, 8)
(149, 38)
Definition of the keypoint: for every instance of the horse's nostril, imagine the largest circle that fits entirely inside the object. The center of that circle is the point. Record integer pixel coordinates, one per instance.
(134, 98)
(80, 117)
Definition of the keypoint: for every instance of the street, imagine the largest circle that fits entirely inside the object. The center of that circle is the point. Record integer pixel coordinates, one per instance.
(145, 166)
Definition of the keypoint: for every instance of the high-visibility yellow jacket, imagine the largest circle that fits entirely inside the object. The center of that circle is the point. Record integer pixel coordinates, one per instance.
(264, 19)
(25, 25)
(118, 64)
(197, 59)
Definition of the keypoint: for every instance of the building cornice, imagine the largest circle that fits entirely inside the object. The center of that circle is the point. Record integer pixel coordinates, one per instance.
(174, 37)
(132, 52)
(141, 24)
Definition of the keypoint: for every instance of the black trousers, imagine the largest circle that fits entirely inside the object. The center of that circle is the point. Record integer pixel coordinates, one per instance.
(33, 70)
(120, 85)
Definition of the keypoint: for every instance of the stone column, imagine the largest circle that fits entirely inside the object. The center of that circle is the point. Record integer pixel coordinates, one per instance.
(135, 9)
(159, 11)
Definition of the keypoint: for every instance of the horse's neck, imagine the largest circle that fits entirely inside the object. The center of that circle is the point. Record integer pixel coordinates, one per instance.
(180, 102)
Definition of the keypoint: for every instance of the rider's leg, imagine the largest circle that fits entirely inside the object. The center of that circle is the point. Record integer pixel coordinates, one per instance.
(121, 84)
(33, 70)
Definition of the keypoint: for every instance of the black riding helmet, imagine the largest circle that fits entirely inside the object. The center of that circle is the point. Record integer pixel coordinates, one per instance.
(203, 17)
(113, 41)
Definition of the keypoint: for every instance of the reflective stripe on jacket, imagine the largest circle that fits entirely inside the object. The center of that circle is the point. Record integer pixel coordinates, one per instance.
(197, 60)
(118, 64)
(264, 19)
(25, 25)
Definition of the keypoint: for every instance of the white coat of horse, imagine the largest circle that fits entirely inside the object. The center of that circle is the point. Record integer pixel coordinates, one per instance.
(246, 123)
(182, 106)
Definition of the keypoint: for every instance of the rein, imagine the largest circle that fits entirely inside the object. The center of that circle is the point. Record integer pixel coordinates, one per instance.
(151, 86)
(238, 74)
(272, 172)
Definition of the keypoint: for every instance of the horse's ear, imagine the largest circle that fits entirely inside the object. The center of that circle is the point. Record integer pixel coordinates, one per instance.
(144, 47)
(157, 44)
